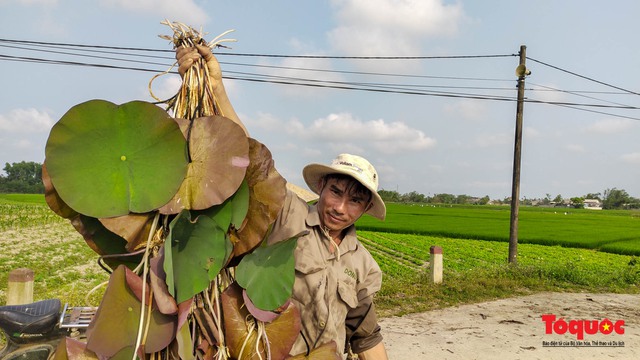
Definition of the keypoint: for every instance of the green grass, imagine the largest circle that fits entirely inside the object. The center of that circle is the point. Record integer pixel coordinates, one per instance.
(22, 198)
(473, 239)
(477, 270)
(616, 232)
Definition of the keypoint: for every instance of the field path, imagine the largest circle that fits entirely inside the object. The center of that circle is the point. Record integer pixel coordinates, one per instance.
(513, 329)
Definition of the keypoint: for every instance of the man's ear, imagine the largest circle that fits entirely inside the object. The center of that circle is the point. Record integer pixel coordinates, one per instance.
(321, 183)
(369, 206)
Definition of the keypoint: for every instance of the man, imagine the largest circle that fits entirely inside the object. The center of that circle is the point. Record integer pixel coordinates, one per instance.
(336, 277)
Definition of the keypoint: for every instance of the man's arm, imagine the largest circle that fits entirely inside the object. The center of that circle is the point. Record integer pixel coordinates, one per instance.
(377, 352)
(188, 56)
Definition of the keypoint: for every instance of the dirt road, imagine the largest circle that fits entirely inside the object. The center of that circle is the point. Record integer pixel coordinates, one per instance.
(514, 329)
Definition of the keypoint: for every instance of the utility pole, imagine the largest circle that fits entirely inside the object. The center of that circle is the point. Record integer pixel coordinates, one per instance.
(521, 73)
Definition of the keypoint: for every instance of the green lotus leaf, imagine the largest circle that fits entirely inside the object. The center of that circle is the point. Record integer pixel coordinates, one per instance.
(219, 156)
(108, 160)
(268, 274)
(194, 252)
(231, 212)
(115, 325)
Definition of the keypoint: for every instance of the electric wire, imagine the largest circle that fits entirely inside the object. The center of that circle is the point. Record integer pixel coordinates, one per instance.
(123, 54)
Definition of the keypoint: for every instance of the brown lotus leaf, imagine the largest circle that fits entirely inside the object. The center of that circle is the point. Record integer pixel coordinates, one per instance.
(281, 333)
(114, 328)
(267, 191)
(55, 202)
(132, 227)
(328, 351)
(73, 349)
(219, 156)
(157, 281)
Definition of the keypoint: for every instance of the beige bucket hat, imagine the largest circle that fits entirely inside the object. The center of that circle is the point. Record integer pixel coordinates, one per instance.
(355, 166)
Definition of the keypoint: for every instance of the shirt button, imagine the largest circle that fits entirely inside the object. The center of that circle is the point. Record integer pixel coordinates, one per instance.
(322, 324)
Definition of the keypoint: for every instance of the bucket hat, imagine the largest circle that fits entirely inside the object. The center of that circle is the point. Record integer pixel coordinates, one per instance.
(355, 166)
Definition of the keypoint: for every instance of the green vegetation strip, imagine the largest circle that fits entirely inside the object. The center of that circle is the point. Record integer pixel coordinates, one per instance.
(614, 231)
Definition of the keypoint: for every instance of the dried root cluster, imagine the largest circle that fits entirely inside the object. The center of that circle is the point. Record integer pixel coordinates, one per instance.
(195, 97)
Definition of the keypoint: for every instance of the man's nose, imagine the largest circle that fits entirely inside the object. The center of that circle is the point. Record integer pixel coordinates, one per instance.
(340, 205)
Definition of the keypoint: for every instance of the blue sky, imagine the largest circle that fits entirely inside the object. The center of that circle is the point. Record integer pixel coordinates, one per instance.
(425, 143)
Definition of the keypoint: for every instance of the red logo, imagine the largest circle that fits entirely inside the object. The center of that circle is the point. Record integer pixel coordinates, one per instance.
(580, 327)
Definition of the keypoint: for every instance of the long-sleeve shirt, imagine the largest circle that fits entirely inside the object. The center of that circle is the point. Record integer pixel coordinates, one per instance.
(333, 289)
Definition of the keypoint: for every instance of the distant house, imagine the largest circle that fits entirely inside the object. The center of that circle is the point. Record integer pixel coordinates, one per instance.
(592, 204)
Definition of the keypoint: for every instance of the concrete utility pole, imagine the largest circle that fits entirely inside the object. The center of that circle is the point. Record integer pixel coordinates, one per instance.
(521, 72)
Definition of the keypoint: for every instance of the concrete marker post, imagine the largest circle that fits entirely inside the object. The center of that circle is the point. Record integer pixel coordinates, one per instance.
(20, 289)
(436, 264)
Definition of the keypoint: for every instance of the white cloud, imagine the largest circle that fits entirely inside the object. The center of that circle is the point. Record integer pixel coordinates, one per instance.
(467, 109)
(632, 158)
(164, 87)
(611, 126)
(294, 69)
(350, 133)
(26, 121)
(184, 11)
(382, 27)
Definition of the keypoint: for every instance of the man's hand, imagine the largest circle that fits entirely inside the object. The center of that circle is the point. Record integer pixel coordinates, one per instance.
(187, 56)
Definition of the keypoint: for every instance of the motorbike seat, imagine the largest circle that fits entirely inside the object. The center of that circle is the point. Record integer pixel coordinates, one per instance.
(36, 318)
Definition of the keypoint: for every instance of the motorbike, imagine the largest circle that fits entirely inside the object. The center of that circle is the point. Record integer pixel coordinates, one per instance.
(33, 331)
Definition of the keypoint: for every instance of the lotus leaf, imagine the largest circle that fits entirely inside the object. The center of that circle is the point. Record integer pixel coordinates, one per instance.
(134, 228)
(268, 274)
(115, 325)
(53, 199)
(157, 280)
(108, 160)
(281, 333)
(266, 197)
(104, 242)
(73, 349)
(194, 252)
(219, 156)
(232, 211)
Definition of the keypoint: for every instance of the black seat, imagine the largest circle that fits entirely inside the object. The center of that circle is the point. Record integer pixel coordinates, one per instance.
(35, 318)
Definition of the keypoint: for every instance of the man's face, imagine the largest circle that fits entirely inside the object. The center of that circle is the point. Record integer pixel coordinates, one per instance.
(338, 206)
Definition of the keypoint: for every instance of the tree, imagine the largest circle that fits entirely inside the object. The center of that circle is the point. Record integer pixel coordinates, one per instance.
(615, 199)
(389, 196)
(595, 196)
(558, 199)
(413, 197)
(577, 202)
(23, 177)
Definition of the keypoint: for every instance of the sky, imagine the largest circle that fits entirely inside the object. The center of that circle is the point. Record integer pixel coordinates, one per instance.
(424, 89)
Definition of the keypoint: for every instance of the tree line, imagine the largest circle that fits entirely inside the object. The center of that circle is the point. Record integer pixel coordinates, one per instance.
(26, 178)
(23, 178)
(610, 199)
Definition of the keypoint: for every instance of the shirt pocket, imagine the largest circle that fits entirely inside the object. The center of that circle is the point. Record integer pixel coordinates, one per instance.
(309, 282)
(348, 294)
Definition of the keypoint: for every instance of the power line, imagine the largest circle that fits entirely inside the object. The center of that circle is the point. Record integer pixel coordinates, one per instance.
(583, 77)
(386, 87)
